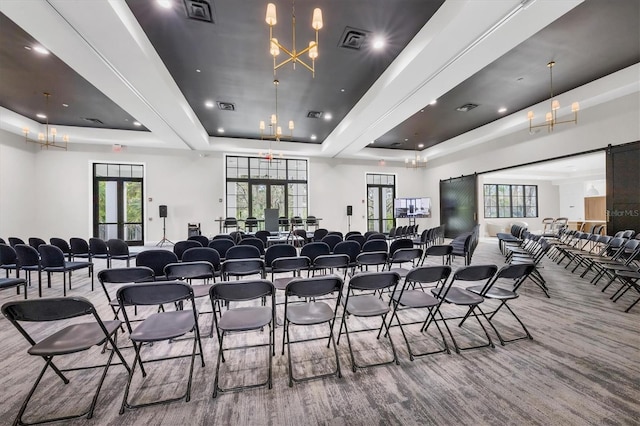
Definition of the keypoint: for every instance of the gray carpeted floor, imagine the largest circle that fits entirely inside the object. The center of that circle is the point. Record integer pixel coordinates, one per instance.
(583, 367)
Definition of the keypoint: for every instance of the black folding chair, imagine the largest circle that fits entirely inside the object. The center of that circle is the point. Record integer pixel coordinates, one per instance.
(159, 327)
(71, 339)
(241, 319)
(308, 312)
(369, 305)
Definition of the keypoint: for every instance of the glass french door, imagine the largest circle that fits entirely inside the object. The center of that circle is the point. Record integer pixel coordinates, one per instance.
(381, 191)
(267, 196)
(118, 206)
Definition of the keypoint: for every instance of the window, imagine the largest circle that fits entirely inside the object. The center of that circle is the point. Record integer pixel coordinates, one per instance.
(255, 184)
(381, 190)
(510, 200)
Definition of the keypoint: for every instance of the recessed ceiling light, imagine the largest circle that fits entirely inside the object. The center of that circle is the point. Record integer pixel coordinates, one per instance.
(406, 140)
(328, 116)
(137, 123)
(165, 3)
(421, 145)
(313, 137)
(41, 50)
(198, 70)
(28, 47)
(65, 105)
(209, 104)
(502, 110)
(378, 43)
(433, 102)
(41, 116)
(220, 130)
(421, 110)
(342, 90)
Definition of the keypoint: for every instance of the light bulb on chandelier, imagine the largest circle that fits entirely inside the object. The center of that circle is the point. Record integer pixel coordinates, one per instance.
(47, 138)
(294, 56)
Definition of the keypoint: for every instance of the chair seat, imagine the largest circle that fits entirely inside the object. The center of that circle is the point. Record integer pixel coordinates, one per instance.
(309, 313)
(74, 338)
(366, 306)
(124, 256)
(11, 282)
(201, 290)
(494, 292)
(164, 326)
(9, 266)
(629, 274)
(460, 296)
(281, 283)
(415, 299)
(68, 266)
(245, 318)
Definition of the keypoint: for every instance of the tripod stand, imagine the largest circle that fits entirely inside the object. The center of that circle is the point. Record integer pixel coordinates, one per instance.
(164, 234)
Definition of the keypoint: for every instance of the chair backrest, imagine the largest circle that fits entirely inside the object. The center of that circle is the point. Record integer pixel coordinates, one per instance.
(356, 237)
(331, 261)
(288, 264)
(301, 233)
(277, 251)
(79, 245)
(2, 241)
(49, 309)
(375, 245)
(236, 236)
(180, 247)
(374, 280)
(296, 221)
(117, 247)
(311, 221)
(428, 274)
(223, 237)
(187, 270)
(61, 244)
(202, 239)
(14, 241)
(314, 286)
(315, 249)
(156, 293)
(406, 255)
(156, 259)
(8, 255)
(372, 258)
(283, 221)
(134, 274)
(350, 233)
(469, 273)
(438, 250)
(255, 242)
(51, 256)
(221, 245)
(263, 236)
(331, 240)
(202, 254)
(402, 243)
(319, 234)
(243, 252)
(251, 222)
(230, 221)
(98, 246)
(27, 255)
(350, 248)
(243, 266)
(518, 273)
(376, 236)
(239, 291)
(36, 242)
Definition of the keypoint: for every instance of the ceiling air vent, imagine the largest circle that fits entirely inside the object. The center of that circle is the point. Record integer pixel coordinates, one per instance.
(466, 107)
(92, 120)
(353, 38)
(199, 10)
(314, 114)
(226, 106)
(396, 144)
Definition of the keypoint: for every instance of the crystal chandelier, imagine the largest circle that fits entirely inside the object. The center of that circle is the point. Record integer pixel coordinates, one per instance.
(48, 138)
(551, 119)
(294, 56)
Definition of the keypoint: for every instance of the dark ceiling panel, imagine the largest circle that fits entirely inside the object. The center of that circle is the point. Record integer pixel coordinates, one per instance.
(595, 39)
(235, 65)
(25, 75)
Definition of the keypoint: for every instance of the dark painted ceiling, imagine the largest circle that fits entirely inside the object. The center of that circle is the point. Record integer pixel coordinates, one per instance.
(596, 38)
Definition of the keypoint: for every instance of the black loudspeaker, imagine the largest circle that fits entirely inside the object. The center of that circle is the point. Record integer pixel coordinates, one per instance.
(349, 210)
(163, 210)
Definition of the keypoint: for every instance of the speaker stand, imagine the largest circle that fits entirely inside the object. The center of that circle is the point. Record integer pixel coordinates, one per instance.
(164, 234)
(348, 223)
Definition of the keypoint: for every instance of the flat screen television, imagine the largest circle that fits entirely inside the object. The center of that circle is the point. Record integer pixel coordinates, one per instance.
(411, 207)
